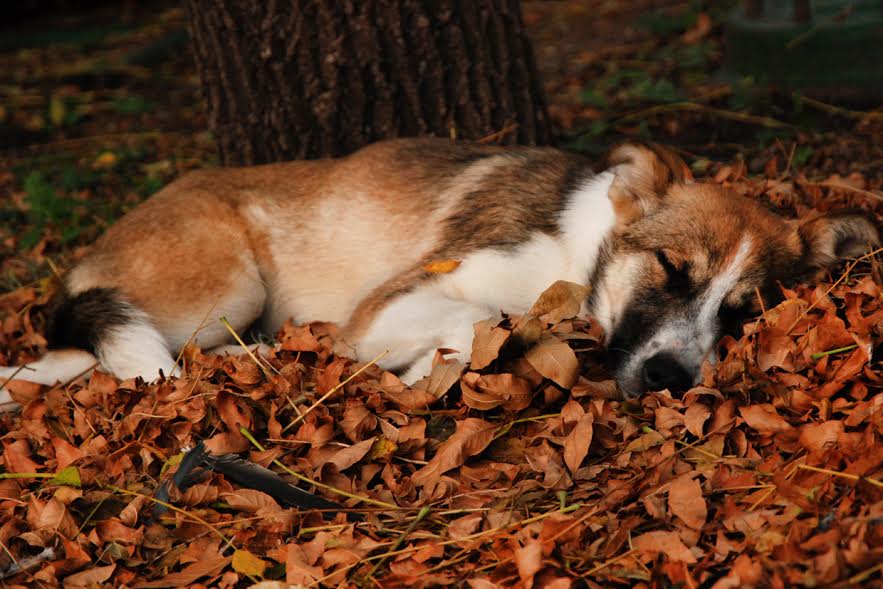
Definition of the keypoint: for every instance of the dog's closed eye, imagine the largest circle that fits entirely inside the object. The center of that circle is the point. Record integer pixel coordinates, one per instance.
(677, 273)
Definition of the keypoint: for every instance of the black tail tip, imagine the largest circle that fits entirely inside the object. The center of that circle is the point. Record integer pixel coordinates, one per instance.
(84, 319)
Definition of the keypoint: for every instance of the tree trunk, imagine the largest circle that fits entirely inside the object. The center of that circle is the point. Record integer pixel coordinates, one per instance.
(286, 79)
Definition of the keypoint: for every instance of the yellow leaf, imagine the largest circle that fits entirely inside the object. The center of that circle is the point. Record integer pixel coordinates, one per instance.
(56, 110)
(441, 266)
(248, 564)
(69, 475)
(105, 161)
(382, 447)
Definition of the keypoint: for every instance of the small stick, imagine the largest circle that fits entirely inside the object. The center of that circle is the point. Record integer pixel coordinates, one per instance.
(862, 576)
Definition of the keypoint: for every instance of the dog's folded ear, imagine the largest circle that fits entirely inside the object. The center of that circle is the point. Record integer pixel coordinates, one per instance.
(644, 173)
(829, 238)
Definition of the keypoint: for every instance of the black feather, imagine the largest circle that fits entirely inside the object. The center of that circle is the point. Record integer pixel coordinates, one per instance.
(244, 472)
(257, 477)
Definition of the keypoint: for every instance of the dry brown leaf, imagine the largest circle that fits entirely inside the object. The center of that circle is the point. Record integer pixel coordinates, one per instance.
(445, 373)
(17, 457)
(348, 456)
(207, 567)
(576, 444)
(695, 417)
(357, 420)
(667, 543)
(299, 339)
(250, 500)
(555, 360)
(472, 436)
(486, 343)
(821, 437)
(685, 500)
(529, 560)
(464, 526)
(484, 392)
(65, 452)
(90, 577)
(775, 349)
(764, 419)
(562, 300)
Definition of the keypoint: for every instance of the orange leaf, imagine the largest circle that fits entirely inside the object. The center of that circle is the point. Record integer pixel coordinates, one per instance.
(474, 398)
(775, 349)
(441, 266)
(299, 339)
(695, 417)
(231, 413)
(357, 420)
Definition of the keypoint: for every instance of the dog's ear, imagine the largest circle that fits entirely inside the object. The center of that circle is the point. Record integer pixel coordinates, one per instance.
(829, 238)
(643, 175)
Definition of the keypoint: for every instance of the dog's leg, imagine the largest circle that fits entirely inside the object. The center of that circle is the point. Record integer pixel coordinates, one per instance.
(135, 348)
(413, 326)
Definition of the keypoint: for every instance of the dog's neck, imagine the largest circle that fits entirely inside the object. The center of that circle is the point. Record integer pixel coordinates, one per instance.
(586, 225)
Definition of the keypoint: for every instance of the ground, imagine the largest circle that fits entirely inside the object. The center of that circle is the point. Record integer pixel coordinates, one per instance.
(521, 469)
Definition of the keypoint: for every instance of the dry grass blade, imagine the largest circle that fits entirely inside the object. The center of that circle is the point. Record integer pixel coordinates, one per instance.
(322, 399)
(843, 475)
(176, 509)
(261, 363)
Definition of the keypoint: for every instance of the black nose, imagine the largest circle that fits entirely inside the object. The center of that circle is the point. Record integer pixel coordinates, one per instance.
(663, 371)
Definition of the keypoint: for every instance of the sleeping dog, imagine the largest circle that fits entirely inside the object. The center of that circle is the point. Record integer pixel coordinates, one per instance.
(671, 263)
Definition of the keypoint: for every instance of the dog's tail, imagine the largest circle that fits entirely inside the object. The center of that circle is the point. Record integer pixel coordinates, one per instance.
(95, 327)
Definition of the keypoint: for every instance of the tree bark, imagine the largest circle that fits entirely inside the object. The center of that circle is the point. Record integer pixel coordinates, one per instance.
(288, 79)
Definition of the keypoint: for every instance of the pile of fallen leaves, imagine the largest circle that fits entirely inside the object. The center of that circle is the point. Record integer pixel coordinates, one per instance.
(523, 468)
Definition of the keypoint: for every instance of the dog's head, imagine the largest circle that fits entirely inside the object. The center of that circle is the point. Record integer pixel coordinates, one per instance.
(689, 261)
